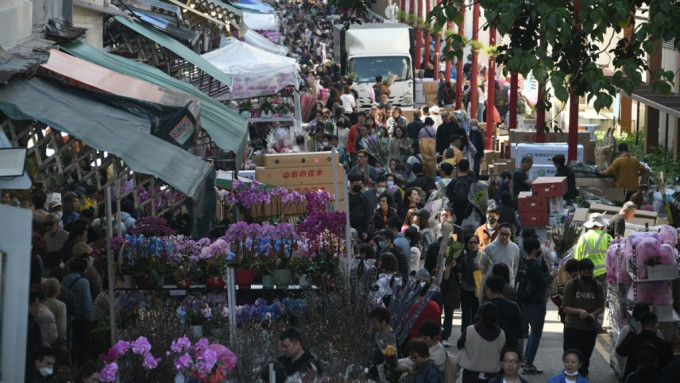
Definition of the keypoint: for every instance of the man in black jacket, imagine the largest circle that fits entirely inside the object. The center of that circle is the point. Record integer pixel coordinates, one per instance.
(631, 344)
(295, 359)
(359, 209)
(413, 127)
(448, 128)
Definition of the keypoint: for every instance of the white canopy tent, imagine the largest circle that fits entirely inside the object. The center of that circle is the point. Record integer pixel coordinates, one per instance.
(257, 40)
(256, 72)
(261, 21)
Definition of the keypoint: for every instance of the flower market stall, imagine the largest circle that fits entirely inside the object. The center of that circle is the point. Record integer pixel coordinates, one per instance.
(258, 73)
(269, 268)
(642, 267)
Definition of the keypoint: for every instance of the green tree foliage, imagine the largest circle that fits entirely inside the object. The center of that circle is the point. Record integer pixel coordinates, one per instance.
(567, 59)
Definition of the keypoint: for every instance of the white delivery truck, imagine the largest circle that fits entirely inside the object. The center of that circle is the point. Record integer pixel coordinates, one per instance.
(370, 50)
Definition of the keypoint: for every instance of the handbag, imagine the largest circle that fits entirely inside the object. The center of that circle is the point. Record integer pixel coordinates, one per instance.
(477, 274)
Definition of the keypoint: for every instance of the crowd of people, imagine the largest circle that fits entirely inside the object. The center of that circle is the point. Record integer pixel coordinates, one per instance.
(68, 295)
(501, 281)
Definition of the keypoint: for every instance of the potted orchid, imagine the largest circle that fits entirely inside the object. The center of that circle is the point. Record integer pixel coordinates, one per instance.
(214, 258)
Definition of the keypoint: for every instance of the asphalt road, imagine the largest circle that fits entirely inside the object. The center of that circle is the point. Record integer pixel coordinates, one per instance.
(549, 356)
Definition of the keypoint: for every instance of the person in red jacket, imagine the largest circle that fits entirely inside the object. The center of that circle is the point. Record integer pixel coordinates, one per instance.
(432, 310)
(352, 136)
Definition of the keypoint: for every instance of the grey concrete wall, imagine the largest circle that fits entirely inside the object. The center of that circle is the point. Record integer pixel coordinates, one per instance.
(15, 21)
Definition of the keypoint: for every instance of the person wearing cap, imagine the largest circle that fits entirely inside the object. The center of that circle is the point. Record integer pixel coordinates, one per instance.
(565, 171)
(617, 224)
(593, 245)
(81, 250)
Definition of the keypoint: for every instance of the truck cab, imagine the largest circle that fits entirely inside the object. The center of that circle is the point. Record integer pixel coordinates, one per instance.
(371, 50)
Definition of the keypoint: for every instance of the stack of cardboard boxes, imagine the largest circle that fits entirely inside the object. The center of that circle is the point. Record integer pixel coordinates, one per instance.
(301, 172)
(430, 92)
(543, 206)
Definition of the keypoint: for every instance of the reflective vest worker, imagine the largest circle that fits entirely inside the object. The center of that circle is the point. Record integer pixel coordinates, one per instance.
(594, 243)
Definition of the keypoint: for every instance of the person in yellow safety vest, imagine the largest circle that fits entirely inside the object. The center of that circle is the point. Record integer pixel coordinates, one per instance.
(593, 245)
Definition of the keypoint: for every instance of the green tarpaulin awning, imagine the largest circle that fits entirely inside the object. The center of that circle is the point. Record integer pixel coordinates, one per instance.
(226, 128)
(114, 127)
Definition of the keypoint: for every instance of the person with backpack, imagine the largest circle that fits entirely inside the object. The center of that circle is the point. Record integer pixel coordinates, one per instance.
(531, 291)
(583, 300)
(457, 192)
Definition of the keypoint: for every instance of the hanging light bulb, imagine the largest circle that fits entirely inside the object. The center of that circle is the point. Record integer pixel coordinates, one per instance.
(213, 13)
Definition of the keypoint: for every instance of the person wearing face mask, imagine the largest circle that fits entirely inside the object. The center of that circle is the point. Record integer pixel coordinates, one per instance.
(376, 191)
(488, 232)
(41, 366)
(572, 362)
(503, 250)
(583, 300)
(359, 208)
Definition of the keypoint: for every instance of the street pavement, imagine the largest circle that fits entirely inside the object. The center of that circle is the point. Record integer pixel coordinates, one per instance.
(549, 356)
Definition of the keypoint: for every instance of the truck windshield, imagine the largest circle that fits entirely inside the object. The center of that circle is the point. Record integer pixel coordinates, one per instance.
(367, 68)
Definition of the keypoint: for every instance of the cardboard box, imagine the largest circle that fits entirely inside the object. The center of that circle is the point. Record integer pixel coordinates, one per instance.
(491, 156)
(430, 86)
(297, 160)
(298, 176)
(596, 182)
(276, 209)
(662, 272)
(580, 216)
(555, 205)
(527, 203)
(549, 186)
(533, 218)
(258, 160)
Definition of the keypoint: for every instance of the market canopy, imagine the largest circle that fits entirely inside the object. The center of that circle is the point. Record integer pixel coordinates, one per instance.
(261, 21)
(71, 70)
(105, 126)
(226, 128)
(254, 5)
(257, 40)
(254, 72)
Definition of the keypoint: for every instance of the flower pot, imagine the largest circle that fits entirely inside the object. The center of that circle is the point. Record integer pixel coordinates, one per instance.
(215, 282)
(305, 280)
(267, 281)
(266, 114)
(244, 278)
(127, 281)
(282, 277)
(196, 331)
(184, 283)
